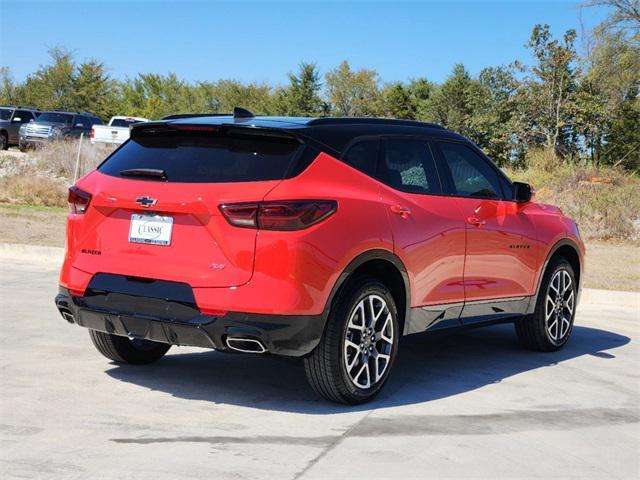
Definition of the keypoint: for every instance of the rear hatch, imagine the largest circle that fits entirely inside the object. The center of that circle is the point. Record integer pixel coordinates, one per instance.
(154, 208)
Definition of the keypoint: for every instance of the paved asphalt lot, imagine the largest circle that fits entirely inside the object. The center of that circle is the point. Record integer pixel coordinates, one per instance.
(463, 405)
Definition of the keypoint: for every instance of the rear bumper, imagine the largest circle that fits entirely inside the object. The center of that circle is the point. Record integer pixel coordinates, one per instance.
(285, 335)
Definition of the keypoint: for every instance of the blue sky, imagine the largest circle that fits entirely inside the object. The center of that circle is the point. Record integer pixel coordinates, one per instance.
(262, 41)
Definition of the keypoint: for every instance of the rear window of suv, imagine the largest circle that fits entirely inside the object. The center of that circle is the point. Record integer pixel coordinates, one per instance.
(217, 156)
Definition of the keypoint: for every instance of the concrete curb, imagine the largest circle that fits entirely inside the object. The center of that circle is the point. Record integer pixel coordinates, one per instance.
(36, 253)
(55, 255)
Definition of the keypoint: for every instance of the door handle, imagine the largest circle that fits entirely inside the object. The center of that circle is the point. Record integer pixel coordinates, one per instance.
(478, 222)
(404, 212)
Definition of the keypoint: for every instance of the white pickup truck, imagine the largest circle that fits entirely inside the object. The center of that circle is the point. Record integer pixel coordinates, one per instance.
(116, 131)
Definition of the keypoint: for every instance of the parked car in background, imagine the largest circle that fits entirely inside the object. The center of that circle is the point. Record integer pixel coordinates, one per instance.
(116, 131)
(52, 126)
(11, 119)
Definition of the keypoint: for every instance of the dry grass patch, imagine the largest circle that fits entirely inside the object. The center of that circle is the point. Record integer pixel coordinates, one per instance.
(41, 177)
(32, 189)
(604, 201)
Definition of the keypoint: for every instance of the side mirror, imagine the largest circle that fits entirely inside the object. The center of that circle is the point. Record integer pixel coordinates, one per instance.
(522, 192)
(16, 119)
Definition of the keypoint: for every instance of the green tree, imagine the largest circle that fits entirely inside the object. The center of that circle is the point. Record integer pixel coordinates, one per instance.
(154, 96)
(51, 86)
(353, 93)
(398, 102)
(255, 97)
(302, 96)
(8, 88)
(494, 119)
(622, 141)
(421, 91)
(94, 91)
(454, 103)
(608, 100)
(546, 95)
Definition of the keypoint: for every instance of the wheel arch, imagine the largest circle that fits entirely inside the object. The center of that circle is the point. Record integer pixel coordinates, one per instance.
(567, 249)
(386, 267)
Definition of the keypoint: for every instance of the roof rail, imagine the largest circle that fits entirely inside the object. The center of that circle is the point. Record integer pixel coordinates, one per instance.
(371, 121)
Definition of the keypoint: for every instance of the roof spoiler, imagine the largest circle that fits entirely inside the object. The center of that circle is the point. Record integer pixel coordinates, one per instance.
(164, 125)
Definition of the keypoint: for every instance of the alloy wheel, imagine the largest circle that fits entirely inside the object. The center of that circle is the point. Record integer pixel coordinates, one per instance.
(368, 342)
(559, 306)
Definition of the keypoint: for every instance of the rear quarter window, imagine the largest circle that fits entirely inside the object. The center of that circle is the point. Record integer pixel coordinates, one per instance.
(363, 156)
(207, 157)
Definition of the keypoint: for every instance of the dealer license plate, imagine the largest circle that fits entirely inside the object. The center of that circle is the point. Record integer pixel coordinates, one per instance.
(151, 229)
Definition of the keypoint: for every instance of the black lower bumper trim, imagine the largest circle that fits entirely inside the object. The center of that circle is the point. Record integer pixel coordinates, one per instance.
(287, 335)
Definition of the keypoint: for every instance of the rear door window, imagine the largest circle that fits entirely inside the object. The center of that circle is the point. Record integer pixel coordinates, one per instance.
(216, 156)
(408, 166)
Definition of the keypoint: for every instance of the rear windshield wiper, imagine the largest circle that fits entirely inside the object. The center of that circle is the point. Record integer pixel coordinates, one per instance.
(155, 173)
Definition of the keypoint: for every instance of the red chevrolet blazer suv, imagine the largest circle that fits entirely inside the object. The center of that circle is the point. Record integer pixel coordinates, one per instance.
(321, 238)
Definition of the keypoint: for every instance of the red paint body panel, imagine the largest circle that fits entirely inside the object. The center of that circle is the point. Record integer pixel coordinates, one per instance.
(201, 236)
(552, 227)
(503, 252)
(430, 241)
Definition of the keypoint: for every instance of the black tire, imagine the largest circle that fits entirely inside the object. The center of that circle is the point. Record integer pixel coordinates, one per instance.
(325, 366)
(4, 141)
(125, 350)
(532, 329)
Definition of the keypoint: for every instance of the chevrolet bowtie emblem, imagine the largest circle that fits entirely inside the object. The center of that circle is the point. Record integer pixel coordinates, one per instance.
(146, 201)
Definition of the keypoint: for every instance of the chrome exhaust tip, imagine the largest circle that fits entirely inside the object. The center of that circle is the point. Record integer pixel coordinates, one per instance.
(67, 315)
(245, 345)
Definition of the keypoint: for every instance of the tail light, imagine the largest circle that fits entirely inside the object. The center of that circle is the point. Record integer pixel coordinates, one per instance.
(93, 133)
(78, 200)
(285, 215)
